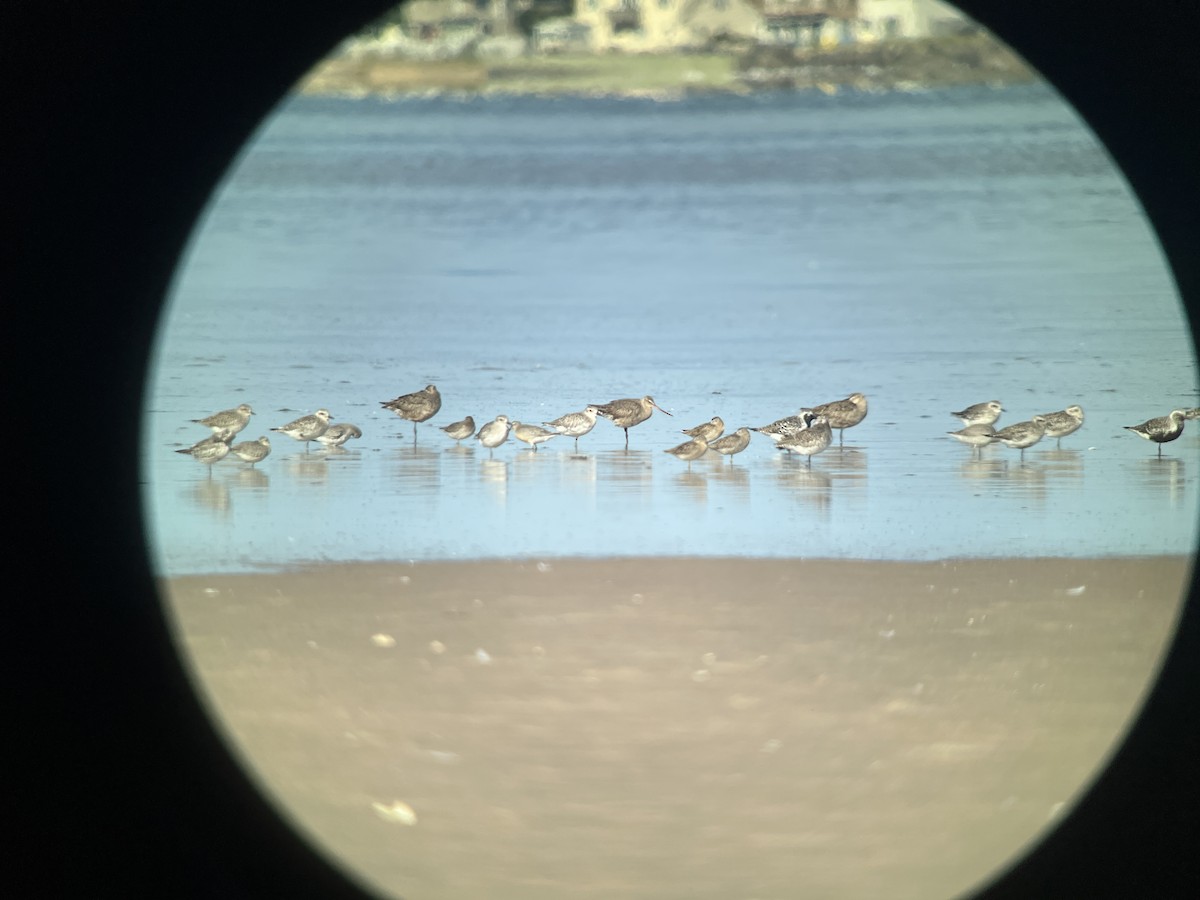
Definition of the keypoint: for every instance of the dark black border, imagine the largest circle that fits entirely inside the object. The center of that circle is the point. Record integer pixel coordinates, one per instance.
(119, 120)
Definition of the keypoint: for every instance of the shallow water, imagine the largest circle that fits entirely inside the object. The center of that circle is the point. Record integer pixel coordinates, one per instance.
(739, 257)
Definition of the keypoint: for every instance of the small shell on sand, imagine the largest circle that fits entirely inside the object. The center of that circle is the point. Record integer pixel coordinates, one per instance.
(399, 812)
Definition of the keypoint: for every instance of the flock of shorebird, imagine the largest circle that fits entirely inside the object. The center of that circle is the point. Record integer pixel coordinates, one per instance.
(807, 433)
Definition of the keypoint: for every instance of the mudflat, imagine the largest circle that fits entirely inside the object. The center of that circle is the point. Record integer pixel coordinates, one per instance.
(699, 728)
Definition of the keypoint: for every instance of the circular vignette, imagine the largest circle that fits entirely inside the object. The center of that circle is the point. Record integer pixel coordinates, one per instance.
(127, 772)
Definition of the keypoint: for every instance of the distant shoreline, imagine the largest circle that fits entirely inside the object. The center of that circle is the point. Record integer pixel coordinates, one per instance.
(903, 65)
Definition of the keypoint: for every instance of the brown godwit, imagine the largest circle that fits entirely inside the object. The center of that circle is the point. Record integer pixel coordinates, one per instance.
(252, 451)
(463, 428)
(811, 440)
(710, 430)
(531, 434)
(494, 433)
(306, 428)
(1163, 429)
(417, 406)
(575, 424)
(1021, 435)
(627, 413)
(843, 414)
(231, 420)
(985, 413)
(732, 443)
(338, 433)
(689, 450)
(1060, 424)
(976, 436)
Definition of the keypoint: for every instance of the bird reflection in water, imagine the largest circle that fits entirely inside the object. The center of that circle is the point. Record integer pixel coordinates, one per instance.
(213, 496)
(1164, 475)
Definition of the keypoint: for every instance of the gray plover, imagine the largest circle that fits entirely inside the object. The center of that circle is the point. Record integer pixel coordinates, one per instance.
(417, 406)
(843, 414)
(531, 434)
(732, 444)
(710, 430)
(461, 429)
(338, 433)
(1021, 435)
(785, 427)
(985, 413)
(575, 424)
(627, 413)
(1162, 429)
(812, 440)
(494, 433)
(231, 420)
(977, 436)
(1060, 424)
(210, 450)
(306, 428)
(252, 451)
(689, 450)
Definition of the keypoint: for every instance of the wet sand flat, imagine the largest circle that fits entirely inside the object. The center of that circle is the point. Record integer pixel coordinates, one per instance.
(696, 728)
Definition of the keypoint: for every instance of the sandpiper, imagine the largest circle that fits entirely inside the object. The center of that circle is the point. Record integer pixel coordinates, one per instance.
(811, 440)
(1163, 429)
(211, 449)
(689, 450)
(977, 436)
(531, 434)
(417, 406)
(843, 414)
(461, 429)
(494, 433)
(338, 433)
(627, 413)
(252, 451)
(575, 424)
(985, 413)
(732, 444)
(1060, 424)
(1021, 435)
(306, 428)
(231, 420)
(785, 427)
(710, 430)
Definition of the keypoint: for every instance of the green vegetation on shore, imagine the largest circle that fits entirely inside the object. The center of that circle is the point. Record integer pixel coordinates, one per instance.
(974, 58)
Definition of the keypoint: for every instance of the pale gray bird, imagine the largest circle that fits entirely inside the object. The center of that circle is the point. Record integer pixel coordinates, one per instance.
(306, 428)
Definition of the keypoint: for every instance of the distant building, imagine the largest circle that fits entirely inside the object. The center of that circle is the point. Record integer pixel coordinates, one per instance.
(880, 20)
(660, 25)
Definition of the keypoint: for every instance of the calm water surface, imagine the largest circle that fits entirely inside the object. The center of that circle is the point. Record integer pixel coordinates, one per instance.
(738, 257)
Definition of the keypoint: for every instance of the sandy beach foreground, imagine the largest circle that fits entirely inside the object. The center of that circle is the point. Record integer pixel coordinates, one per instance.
(643, 728)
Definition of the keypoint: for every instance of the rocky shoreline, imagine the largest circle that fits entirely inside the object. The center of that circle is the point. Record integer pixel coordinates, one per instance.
(912, 64)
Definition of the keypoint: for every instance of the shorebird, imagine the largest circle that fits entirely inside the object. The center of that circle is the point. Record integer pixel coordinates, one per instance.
(785, 427)
(494, 433)
(252, 451)
(843, 414)
(689, 450)
(710, 430)
(1163, 429)
(575, 424)
(306, 428)
(732, 443)
(417, 406)
(463, 428)
(977, 436)
(210, 450)
(627, 413)
(1021, 435)
(1060, 424)
(985, 413)
(531, 434)
(338, 433)
(231, 420)
(812, 440)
